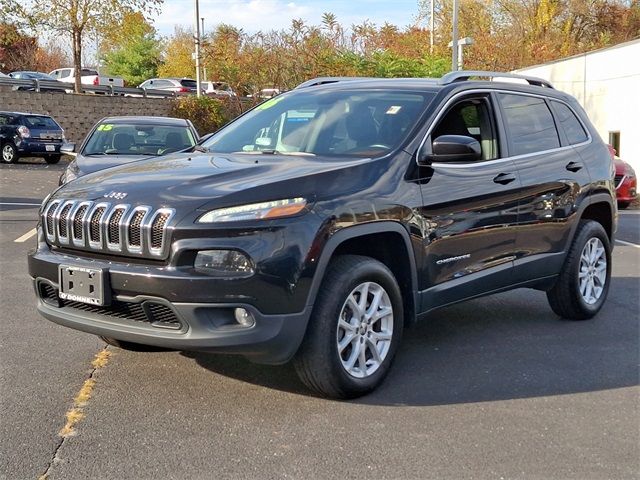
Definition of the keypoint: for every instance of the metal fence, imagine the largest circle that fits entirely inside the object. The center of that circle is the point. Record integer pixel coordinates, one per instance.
(61, 87)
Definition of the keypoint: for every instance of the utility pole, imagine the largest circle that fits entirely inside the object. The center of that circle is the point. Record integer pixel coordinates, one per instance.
(432, 24)
(454, 40)
(204, 68)
(197, 41)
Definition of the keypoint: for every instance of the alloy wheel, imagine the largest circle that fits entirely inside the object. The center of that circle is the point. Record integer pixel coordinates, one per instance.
(593, 270)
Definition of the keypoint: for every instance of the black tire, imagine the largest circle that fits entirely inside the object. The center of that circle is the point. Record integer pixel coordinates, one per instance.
(131, 346)
(318, 362)
(52, 159)
(623, 205)
(9, 153)
(564, 297)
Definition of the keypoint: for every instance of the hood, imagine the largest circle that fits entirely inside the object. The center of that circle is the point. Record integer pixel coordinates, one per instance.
(197, 179)
(91, 164)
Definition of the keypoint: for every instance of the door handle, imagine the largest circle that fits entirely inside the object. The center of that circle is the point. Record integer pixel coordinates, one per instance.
(574, 166)
(504, 178)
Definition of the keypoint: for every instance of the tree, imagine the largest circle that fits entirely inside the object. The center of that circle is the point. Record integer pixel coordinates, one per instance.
(133, 50)
(178, 61)
(17, 50)
(74, 18)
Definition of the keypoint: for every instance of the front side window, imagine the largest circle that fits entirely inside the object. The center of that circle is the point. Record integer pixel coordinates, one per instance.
(131, 139)
(529, 123)
(471, 118)
(354, 123)
(570, 124)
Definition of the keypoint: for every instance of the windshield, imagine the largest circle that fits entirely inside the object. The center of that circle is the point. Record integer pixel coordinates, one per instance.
(135, 139)
(360, 123)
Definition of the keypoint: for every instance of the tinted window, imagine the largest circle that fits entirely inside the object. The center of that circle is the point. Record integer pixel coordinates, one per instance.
(570, 124)
(40, 122)
(529, 123)
(189, 83)
(356, 123)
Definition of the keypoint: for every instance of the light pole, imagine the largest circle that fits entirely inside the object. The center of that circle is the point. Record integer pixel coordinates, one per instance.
(204, 68)
(197, 41)
(454, 40)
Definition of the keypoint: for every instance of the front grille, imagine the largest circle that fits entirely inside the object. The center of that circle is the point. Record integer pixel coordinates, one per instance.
(156, 314)
(132, 231)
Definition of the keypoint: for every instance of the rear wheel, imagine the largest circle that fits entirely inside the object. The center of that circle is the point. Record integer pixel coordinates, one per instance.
(355, 329)
(51, 159)
(583, 284)
(9, 153)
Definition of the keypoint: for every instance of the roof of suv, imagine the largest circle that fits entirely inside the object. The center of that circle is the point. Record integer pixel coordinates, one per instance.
(143, 120)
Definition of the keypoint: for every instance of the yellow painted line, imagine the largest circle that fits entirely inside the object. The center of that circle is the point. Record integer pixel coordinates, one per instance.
(26, 236)
(76, 413)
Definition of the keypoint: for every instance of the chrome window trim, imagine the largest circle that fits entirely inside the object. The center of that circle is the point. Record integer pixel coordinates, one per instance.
(455, 97)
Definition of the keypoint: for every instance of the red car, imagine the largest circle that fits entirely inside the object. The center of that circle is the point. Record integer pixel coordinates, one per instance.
(626, 181)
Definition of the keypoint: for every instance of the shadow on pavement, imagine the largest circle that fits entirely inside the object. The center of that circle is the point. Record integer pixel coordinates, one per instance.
(503, 347)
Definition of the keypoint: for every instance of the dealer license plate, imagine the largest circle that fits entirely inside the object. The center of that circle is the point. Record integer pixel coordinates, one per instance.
(86, 285)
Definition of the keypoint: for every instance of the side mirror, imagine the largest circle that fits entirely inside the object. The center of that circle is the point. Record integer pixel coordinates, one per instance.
(451, 148)
(68, 149)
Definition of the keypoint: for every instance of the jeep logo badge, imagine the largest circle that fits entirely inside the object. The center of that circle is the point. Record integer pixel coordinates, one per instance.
(116, 195)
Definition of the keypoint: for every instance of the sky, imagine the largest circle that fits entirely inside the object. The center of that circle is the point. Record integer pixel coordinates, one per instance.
(255, 15)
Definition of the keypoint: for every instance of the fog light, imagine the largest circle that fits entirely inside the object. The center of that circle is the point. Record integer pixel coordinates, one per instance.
(244, 317)
(224, 263)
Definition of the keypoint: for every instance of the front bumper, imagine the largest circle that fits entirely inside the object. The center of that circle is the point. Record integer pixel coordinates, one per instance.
(148, 308)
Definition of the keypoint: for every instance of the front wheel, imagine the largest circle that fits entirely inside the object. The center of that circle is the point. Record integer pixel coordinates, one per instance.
(354, 331)
(583, 283)
(9, 153)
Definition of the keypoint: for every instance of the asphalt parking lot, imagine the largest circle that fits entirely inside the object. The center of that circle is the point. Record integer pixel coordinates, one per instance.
(494, 388)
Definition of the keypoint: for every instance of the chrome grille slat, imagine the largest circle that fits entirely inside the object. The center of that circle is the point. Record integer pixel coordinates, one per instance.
(100, 226)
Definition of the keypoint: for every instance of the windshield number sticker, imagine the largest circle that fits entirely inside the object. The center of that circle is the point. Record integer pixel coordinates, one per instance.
(105, 127)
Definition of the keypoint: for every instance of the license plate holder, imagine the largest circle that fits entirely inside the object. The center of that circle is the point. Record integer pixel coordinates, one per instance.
(50, 148)
(85, 285)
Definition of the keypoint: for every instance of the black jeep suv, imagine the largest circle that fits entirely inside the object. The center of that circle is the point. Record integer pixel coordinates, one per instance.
(318, 225)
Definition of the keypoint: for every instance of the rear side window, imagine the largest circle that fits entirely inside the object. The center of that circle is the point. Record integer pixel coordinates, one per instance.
(570, 124)
(529, 123)
(189, 83)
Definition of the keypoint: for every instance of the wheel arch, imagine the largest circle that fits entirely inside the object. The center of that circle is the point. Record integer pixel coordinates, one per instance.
(392, 247)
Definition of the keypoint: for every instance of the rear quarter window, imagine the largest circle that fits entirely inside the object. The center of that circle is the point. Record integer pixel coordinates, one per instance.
(568, 121)
(529, 122)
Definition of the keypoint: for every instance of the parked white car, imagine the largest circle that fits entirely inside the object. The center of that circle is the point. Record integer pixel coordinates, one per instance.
(88, 77)
(218, 88)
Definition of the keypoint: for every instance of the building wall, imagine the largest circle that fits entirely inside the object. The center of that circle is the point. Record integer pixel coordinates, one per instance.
(76, 114)
(607, 84)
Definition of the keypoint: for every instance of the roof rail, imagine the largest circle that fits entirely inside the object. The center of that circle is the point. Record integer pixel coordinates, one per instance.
(464, 75)
(314, 82)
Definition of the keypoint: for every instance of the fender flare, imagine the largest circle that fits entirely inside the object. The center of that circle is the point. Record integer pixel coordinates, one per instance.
(349, 233)
(588, 201)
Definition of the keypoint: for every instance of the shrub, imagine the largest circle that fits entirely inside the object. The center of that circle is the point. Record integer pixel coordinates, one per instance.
(207, 114)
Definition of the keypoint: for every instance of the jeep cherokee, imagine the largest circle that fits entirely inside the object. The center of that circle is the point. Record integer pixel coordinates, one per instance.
(318, 225)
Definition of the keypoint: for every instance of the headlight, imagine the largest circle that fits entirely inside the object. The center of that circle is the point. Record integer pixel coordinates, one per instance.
(69, 175)
(256, 211)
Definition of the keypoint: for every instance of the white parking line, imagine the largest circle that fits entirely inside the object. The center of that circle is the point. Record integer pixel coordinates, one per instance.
(629, 244)
(26, 236)
(629, 212)
(21, 204)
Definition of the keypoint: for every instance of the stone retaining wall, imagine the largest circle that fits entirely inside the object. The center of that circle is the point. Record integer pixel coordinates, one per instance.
(78, 113)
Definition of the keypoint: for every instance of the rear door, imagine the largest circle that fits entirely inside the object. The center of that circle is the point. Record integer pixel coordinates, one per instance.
(553, 177)
(470, 209)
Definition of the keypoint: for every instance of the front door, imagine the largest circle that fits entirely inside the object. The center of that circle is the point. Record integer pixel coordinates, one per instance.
(470, 210)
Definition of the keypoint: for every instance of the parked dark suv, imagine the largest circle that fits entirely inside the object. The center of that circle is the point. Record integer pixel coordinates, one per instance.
(29, 135)
(318, 225)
